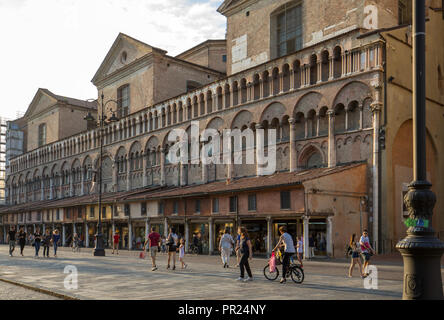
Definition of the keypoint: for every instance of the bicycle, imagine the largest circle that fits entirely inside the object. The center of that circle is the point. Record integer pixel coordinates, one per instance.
(75, 246)
(193, 249)
(295, 271)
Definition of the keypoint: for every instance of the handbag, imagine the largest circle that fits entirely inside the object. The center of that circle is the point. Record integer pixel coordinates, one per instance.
(142, 255)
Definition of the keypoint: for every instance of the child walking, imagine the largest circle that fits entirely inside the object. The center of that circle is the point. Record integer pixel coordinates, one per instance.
(182, 253)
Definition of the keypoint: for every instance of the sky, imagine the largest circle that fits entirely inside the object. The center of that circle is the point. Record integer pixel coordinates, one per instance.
(60, 44)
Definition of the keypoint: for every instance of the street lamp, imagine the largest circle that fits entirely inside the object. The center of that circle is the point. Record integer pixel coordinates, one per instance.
(421, 250)
(99, 250)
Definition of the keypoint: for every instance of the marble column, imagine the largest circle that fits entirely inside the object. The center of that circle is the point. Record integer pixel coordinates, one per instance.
(306, 236)
(63, 235)
(269, 235)
(162, 167)
(128, 174)
(165, 227)
(144, 163)
(130, 235)
(86, 235)
(51, 188)
(293, 148)
(259, 149)
(330, 236)
(210, 236)
(187, 234)
(331, 140)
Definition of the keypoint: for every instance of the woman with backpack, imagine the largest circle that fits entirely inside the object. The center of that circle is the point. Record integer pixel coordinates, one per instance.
(354, 256)
(172, 242)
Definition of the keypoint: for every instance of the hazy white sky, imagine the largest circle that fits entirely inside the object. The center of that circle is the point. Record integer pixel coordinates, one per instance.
(59, 44)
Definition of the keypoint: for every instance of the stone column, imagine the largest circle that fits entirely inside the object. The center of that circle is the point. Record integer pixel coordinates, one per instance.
(210, 236)
(293, 149)
(346, 118)
(147, 229)
(182, 172)
(82, 182)
(71, 185)
(291, 75)
(319, 71)
(259, 146)
(306, 236)
(330, 236)
(162, 167)
(269, 235)
(115, 174)
(144, 160)
(63, 235)
(204, 168)
(128, 174)
(42, 190)
(130, 235)
(165, 227)
(51, 188)
(187, 234)
(331, 140)
(331, 72)
(376, 109)
(86, 235)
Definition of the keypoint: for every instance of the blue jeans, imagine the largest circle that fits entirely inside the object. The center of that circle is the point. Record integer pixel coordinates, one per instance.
(37, 248)
(55, 248)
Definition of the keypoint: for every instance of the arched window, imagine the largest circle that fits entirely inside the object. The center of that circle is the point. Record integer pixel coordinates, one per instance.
(286, 26)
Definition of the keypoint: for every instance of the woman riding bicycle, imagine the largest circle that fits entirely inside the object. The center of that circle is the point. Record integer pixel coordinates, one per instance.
(287, 240)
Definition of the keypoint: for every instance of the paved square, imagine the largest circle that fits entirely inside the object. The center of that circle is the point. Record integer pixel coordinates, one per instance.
(125, 276)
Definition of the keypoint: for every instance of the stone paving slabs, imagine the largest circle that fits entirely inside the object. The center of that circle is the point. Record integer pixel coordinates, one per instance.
(125, 276)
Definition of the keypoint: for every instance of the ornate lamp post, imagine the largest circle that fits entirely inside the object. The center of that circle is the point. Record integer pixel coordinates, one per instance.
(99, 250)
(420, 250)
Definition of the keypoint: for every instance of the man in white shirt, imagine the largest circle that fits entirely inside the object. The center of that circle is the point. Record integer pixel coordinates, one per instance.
(286, 240)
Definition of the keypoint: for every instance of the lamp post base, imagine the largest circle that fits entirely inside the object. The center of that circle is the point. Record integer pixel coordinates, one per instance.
(99, 250)
(422, 267)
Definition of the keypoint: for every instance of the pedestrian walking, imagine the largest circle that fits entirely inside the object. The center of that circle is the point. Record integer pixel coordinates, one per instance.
(37, 241)
(22, 239)
(46, 241)
(238, 254)
(182, 253)
(55, 241)
(300, 250)
(311, 245)
(355, 257)
(153, 242)
(225, 246)
(367, 251)
(289, 250)
(172, 243)
(163, 240)
(116, 239)
(246, 250)
(11, 239)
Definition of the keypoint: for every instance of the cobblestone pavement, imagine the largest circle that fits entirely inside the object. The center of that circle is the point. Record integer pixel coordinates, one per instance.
(13, 292)
(125, 276)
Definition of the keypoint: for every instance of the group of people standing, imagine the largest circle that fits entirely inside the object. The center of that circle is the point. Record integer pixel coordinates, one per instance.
(38, 240)
(155, 242)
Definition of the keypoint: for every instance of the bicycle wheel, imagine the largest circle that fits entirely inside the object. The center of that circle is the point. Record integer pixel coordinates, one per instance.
(271, 275)
(297, 274)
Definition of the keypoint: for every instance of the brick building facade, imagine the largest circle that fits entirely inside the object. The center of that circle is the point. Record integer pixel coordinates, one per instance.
(328, 80)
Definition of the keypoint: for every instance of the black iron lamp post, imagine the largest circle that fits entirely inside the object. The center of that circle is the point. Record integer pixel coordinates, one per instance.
(421, 250)
(99, 250)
